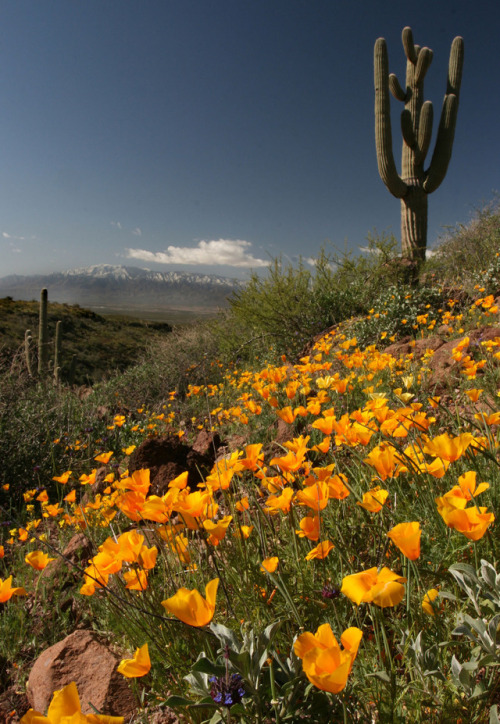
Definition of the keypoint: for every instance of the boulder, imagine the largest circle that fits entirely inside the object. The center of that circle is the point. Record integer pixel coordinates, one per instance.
(444, 370)
(76, 555)
(83, 658)
(168, 457)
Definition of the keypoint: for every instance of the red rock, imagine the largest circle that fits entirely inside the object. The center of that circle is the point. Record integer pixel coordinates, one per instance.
(168, 457)
(81, 657)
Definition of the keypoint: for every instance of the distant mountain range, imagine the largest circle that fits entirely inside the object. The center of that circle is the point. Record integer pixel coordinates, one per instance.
(105, 285)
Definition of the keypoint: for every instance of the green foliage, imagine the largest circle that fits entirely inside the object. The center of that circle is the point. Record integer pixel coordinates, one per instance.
(280, 305)
(398, 311)
(290, 305)
(468, 255)
(482, 631)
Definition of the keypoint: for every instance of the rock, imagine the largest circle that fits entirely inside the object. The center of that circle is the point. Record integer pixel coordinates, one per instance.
(417, 347)
(284, 432)
(168, 457)
(81, 657)
(444, 370)
(207, 443)
(77, 553)
(162, 715)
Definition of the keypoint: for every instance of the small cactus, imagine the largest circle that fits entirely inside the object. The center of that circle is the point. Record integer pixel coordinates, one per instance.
(57, 354)
(415, 183)
(27, 351)
(43, 336)
(45, 366)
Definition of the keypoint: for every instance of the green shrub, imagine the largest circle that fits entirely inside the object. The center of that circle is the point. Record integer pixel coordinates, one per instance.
(469, 251)
(292, 304)
(400, 311)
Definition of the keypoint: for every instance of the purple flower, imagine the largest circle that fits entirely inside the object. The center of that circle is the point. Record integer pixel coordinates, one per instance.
(329, 591)
(227, 690)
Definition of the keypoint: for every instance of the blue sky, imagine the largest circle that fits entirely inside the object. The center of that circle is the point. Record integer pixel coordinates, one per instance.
(213, 135)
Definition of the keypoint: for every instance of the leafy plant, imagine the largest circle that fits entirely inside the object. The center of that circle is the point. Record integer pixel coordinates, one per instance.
(479, 675)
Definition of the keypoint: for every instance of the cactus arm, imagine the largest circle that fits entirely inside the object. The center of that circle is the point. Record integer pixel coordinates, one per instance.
(444, 144)
(424, 132)
(395, 88)
(408, 45)
(455, 66)
(72, 370)
(446, 132)
(407, 129)
(383, 135)
(423, 62)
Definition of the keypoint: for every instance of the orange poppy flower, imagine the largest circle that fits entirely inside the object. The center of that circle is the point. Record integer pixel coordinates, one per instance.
(65, 707)
(406, 536)
(374, 499)
(383, 588)
(190, 607)
(139, 665)
(321, 551)
(325, 664)
(104, 457)
(269, 564)
(448, 448)
(38, 560)
(63, 479)
(7, 590)
(309, 528)
(428, 600)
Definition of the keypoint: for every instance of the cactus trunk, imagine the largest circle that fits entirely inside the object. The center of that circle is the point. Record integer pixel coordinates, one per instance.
(414, 223)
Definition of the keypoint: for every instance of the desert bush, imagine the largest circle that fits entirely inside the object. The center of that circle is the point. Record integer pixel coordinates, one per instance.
(469, 250)
(400, 311)
(31, 418)
(293, 303)
(170, 363)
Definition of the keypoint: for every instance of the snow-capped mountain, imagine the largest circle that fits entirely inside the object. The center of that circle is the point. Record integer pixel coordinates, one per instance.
(107, 285)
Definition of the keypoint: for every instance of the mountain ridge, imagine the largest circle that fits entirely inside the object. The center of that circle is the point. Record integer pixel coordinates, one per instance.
(107, 285)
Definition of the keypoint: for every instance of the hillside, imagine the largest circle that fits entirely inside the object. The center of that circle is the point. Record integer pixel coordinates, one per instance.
(292, 507)
(101, 345)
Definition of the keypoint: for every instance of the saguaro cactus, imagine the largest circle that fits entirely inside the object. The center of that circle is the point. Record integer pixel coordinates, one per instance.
(43, 336)
(44, 364)
(57, 354)
(414, 183)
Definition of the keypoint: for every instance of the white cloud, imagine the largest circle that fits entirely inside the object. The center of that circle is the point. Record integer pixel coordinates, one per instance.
(137, 231)
(222, 252)
(117, 224)
(312, 261)
(10, 236)
(370, 250)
